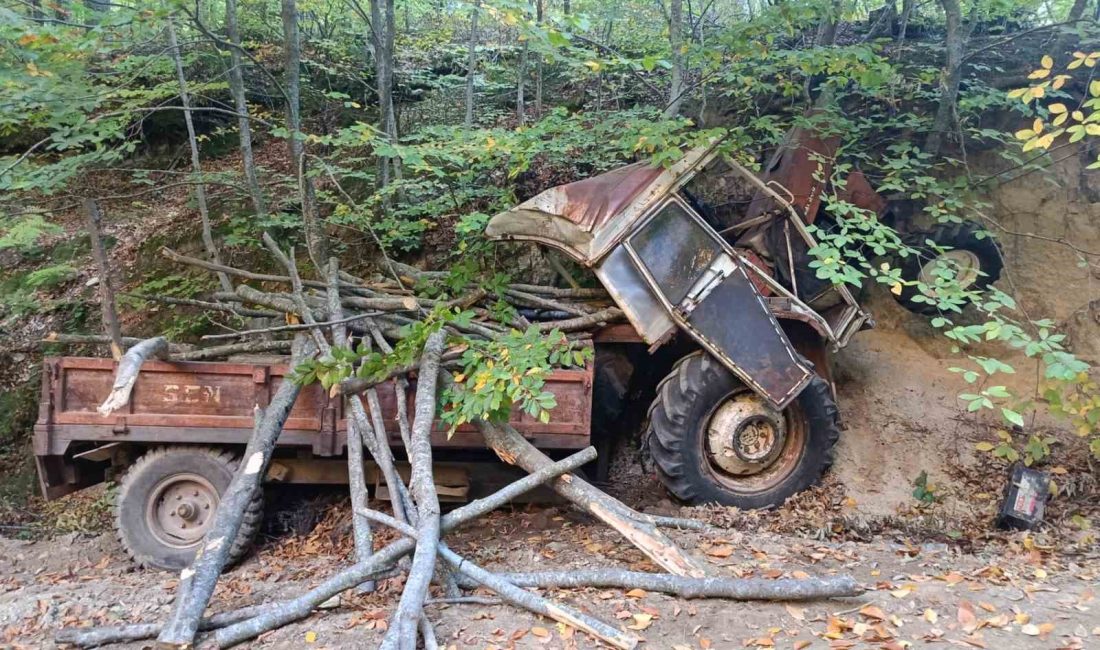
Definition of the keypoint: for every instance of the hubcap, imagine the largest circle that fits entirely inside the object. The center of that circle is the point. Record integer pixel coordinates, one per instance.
(966, 264)
(745, 435)
(180, 509)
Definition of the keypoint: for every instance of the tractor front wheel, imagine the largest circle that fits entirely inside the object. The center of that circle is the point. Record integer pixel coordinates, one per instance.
(714, 440)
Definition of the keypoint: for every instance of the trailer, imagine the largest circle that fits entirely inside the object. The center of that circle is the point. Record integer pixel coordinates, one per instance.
(174, 447)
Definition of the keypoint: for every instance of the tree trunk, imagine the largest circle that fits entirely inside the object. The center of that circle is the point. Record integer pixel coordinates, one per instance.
(903, 23)
(521, 83)
(954, 46)
(196, 167)
(676, 44)
(107, 306)
(471, 66)
(382, 28)
(244, 125)
(292, 46)
(538, 64)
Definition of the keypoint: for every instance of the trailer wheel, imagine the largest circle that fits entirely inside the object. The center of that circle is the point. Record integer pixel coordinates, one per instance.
(713, 440)
(977, 262)
(166, 503)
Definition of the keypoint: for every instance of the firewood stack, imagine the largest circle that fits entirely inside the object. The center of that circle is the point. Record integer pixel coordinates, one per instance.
(324, 313)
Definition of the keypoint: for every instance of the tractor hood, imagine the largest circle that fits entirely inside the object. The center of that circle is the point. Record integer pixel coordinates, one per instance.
(587, 218)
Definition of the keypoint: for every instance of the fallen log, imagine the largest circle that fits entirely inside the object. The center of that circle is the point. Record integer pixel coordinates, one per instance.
(282, 613)
(530, 601)
(128, 368)
(196, 583)
(685, 587)
(94, 637)
(403, 624)
(636, 527)
(99, 339)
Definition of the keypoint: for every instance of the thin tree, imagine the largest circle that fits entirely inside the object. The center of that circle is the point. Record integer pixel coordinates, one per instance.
(538, 62)
(956, 37)
(471, 65)
(676, 44)
(292, 46)
(196, 168)
(382, 28)
(521, 82)
(244, 125)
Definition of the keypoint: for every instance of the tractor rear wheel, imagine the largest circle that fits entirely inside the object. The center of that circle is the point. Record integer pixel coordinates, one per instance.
(973, 256)
(167, 501)
(714, 440)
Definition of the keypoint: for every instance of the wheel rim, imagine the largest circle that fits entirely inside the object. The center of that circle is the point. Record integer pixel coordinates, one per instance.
(966, 264)
(180, 509)
(749, 446)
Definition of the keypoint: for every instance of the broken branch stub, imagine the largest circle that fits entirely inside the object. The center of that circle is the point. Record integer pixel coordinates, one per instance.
(128, 368)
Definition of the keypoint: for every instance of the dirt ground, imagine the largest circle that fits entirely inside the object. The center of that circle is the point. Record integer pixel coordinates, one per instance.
(1011, 594)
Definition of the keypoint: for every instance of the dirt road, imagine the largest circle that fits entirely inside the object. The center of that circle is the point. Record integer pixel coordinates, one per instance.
(1005, 596)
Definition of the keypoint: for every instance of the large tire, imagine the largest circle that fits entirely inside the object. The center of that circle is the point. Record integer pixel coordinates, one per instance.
(983, 253)
(677, 438)
(158, 535)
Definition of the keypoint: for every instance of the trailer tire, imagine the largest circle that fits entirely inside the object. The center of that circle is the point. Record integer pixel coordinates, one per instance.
(158, 536)
(983, 254)
(681, 437)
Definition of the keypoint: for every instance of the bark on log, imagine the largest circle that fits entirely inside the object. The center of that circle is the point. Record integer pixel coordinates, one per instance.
(128, 368)
(99, 339)
(595, 319)
(520, 597)
(216, 351)
(403, 625)
(94, 637)
(635, 526)
(711, 587)
(357, 485)
(196, 584)
(279, 614)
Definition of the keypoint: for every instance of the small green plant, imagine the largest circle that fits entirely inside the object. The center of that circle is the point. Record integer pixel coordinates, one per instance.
(924, 491)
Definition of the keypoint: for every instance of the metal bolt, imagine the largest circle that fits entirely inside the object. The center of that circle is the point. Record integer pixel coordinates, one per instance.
(179, 497)
(195, 493)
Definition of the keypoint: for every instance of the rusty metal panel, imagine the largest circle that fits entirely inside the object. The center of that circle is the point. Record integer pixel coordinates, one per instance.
(707, 290)
(569, 426)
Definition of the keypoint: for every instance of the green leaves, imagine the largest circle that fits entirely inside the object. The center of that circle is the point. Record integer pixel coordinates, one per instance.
(509, 372)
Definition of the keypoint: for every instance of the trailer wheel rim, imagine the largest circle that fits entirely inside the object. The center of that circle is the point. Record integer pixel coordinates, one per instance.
(180, 509)
(749, 446)
(966, 264)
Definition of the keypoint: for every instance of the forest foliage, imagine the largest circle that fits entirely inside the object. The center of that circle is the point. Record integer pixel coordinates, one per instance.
(407, 124)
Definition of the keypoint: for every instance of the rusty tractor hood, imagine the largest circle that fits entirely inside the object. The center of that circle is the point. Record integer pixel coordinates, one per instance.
(587, 218)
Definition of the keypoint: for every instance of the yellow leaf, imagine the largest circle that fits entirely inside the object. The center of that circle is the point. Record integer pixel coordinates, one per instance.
(1060, 81)
(1094, 88)
(1074, 64)
(636, 593)
(641, 621)
(1057, 108)
(1037, 126)
(594, 66)
(1047, 61)
(896, 288)
(311, 637)
(1060, 119)
(931, 616)
(460, 377)
(1025, 134)
(984, 446)
(1039, 74)
(1038, 91)
(1078, 115)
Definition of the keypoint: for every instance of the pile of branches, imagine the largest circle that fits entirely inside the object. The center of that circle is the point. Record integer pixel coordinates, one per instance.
(331, 311)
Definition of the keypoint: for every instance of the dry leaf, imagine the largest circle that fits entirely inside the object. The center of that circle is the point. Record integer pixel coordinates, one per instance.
(636, 593)
(540, 631)
(800, 645)
(870, 611)
(722, 550)
(931, 616)
(796, 613)
(641, 621)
